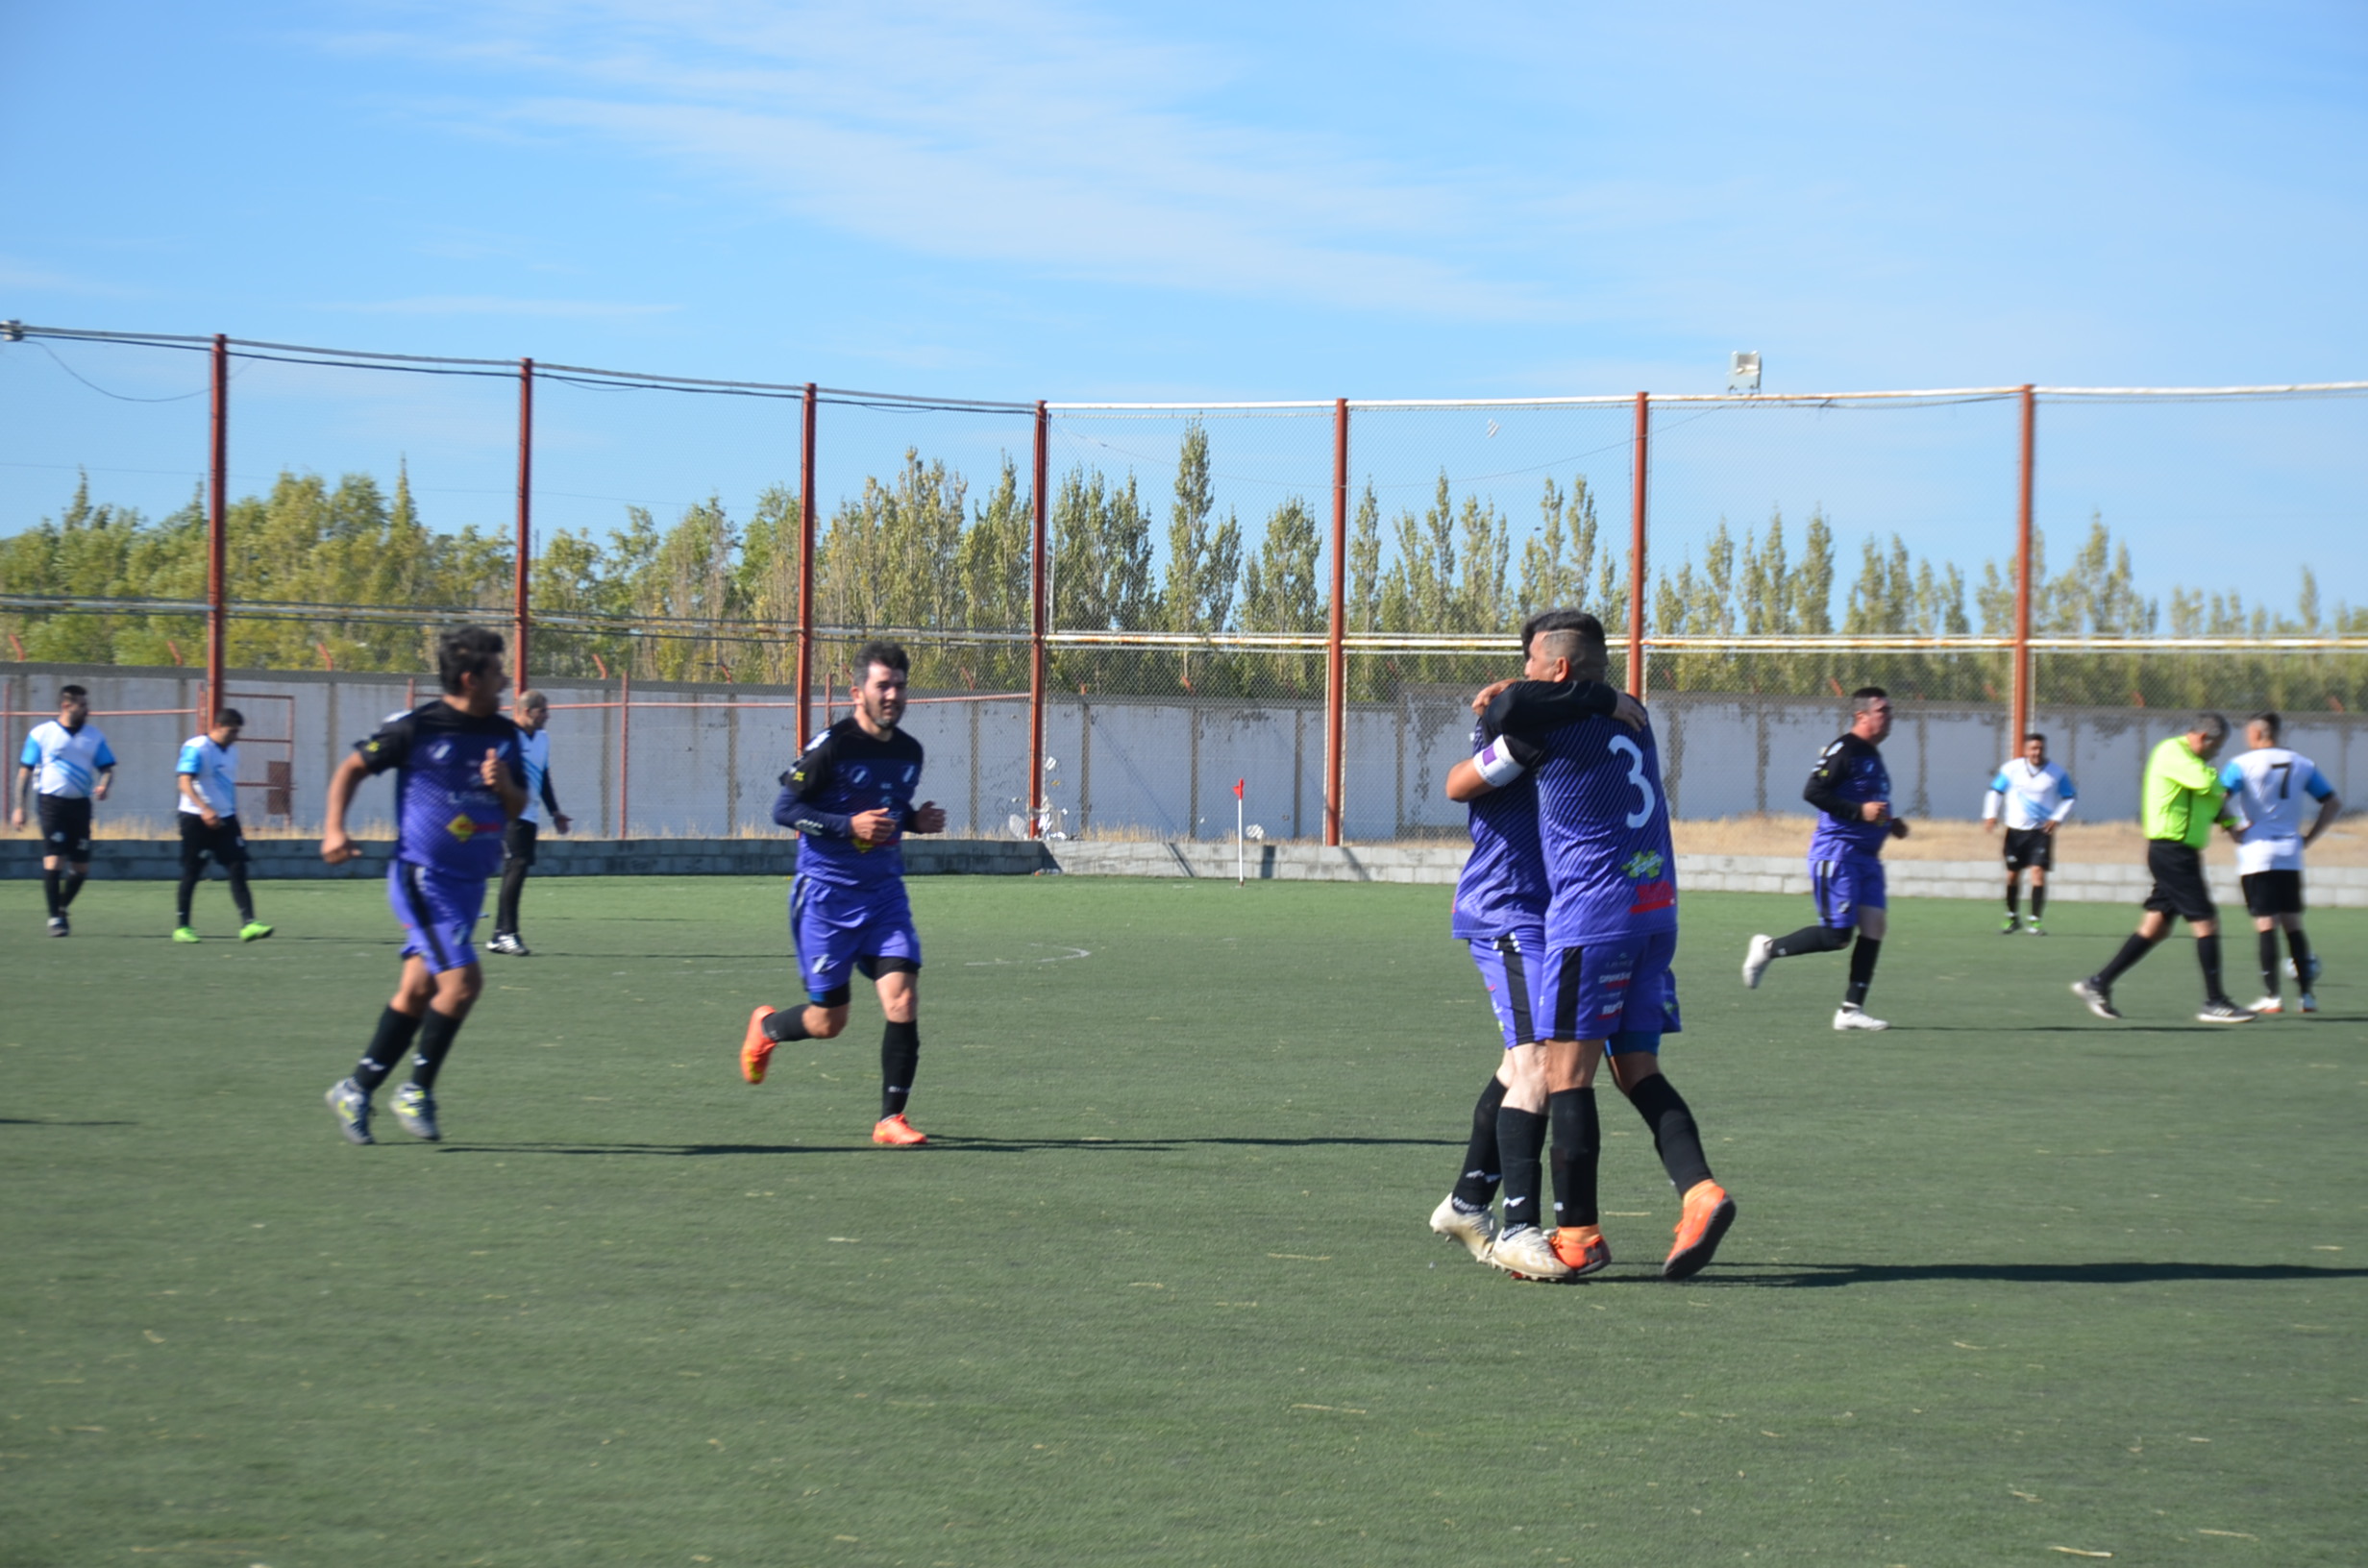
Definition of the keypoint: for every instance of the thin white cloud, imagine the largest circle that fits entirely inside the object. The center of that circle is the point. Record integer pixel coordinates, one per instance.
(494, 304)
(15, 275)
(1032, 136)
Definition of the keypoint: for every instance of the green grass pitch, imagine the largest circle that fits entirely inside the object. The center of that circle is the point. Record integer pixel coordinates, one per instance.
(2010, 1285)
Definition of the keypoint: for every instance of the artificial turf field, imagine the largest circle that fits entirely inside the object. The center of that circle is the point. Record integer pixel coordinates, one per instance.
(2008, 1282)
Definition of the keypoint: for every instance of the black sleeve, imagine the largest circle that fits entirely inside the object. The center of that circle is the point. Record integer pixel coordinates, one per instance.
(550, 802)
(1822, 779)
(1531, 708)
(389, 747)
(806, 777)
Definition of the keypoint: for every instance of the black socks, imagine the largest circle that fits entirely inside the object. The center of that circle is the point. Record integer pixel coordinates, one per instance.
(1520, 1139)
(2039, 900)
(186, 896)
(2207, 958)
(2014, 900)
(1811, 939)
(505, 906)
(900, 1053)
(71, 885)
(2299, 946)
(1862, 970)
(1577, 1150)
(51, 877)
(435, 1043)
(2132, 950)
(1675, 1137)
(785, 1023)
(2269, 962)
(1476, 1186)
(240, 893)
(386, 1048)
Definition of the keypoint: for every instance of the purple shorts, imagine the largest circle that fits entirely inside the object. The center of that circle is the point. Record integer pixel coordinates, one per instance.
(1843, 887)
(1621, 986)
(440, 914)
(1513, 966)
(837, 931)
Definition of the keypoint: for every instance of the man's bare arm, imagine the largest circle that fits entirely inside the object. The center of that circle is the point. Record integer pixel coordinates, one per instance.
(337, 847)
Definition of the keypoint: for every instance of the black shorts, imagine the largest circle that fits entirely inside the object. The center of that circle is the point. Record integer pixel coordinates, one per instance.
(518, 841)
(2273, 893)
(223, 841)
(66, 825)
(2029, 847)
(2179, 882)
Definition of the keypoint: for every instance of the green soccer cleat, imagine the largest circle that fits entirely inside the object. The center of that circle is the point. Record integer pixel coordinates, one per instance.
(185, 934)
(254, 931)
(416, 1113)
(2008, 929)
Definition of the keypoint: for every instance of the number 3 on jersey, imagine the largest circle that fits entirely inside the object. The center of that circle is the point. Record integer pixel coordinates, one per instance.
(1635, 755)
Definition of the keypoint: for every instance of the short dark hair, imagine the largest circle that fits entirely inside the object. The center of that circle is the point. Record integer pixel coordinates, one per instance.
(228, 716)
(466, 650)
(64, 691)
(1865, 698)
(2214, 724)
(1589, 629)
(2269, 722)
(880, 652)
(2034, 735)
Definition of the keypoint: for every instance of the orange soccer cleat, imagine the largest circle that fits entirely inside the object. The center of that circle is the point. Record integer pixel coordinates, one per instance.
(1707, 1213)
(897, 1133)
(755, 1048)
(1584, 1248)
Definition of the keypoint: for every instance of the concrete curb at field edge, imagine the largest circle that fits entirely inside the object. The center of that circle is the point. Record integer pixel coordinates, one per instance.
(299, 859)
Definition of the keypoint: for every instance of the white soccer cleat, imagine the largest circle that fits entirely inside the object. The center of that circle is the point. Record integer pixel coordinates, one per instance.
(1756, 959)
(1847, 1018)
(2267, 1004)
(1475, 1228)
(1527, 1253)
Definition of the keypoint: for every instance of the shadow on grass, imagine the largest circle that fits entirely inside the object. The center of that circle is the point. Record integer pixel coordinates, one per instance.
(959, 1145)
(1834, 1276)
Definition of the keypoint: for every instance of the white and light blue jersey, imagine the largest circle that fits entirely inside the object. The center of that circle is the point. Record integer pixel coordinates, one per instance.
(2276, 792)
(68, 761)
(212, 771)
(2033, 796)
(534, 751)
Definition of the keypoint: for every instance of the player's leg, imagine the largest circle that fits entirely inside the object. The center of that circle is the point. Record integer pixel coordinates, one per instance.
(2260, 904)
(77, 852)
(1874, 922)
(2298, 948)
(822, 941)
(440, 983)
(517, 860)
(2153, 926)
(2014, 884)
(230, 852)
(1508, 971)
(1650, 1012)
(1836, 919)
(1575, 1141)
(1522, 1247)
(2042, 861)
(2191, 900)
(193, 846)
(897, 979)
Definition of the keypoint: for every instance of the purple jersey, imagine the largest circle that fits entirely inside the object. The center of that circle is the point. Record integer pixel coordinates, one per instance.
(843, 774)
(1849, 775)
(1503, 888)
(447, 819)
(1603, 820)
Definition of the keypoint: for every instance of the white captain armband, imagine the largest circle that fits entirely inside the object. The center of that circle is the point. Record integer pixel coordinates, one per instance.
(1497, 763)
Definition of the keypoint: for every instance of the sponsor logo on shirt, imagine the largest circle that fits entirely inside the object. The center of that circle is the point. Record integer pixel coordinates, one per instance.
(1642, 865)
(461, 827)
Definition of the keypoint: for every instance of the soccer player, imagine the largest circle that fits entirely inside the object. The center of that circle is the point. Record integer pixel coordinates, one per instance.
(1611, 929)
(1500, 905)
(533, 710)
(2267, 786)
(2180, 799)
(206, 776)
(2038, 796)
(851, 799)
(458, 783)
(67, 764)
(1852, 791)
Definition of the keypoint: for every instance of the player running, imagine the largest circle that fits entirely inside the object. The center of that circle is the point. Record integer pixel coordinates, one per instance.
(458, 785)
(1500, 905)
(1611, 929)
(534, 712)
(1852, 791)
(2038, 796)
(2178, 799)
(67, 764)
(851, 799)
(2267, 786)
(207, 775)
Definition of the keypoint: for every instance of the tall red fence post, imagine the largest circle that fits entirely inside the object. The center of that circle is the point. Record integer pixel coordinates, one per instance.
(625, 751)
(217, 508)
(805, 573)
(1335, 651)
(525, 529)
(2020, 703)
(1040, 612)
(1636, 549)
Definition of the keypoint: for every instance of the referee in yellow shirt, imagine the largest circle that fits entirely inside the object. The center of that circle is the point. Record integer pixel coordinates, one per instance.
(2181, 800)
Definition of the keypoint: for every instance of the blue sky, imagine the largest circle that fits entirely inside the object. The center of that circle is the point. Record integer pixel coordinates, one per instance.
(1081, 202)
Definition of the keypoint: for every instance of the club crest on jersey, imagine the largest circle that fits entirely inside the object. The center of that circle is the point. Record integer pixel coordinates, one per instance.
(858, 775)
(1643, 863)
(440, 750)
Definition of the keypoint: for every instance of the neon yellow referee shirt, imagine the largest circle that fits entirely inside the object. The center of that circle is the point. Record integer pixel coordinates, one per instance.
(2180, 798)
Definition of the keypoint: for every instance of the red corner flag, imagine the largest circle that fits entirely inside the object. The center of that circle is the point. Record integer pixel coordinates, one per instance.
(1237, 787)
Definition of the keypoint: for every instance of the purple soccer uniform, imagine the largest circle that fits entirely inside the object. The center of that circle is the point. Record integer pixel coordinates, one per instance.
(847, 905)
(1500, 901)
(448, 823)
(1845, 866)
(1611, 925)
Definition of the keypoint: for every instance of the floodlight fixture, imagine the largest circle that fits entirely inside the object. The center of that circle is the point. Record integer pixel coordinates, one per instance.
(1743, 371)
